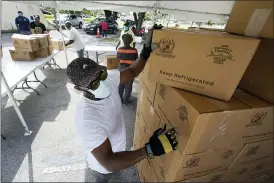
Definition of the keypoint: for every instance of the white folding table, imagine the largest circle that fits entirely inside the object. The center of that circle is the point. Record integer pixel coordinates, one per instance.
(14, 72)
(98, 49)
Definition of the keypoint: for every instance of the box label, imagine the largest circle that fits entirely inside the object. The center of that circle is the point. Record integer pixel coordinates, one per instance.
(166, 46)
(221, 54)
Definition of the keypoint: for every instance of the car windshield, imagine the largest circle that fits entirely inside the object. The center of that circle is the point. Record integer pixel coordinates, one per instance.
(64, 17)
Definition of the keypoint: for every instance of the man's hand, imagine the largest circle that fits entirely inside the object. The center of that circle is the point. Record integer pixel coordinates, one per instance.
(161, 142)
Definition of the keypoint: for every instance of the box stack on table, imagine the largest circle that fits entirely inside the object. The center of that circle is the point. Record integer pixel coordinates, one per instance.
(189, 83)
(58, 44)
(30, 47)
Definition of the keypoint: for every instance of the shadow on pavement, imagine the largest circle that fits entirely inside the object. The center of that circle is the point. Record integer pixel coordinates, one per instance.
(36, 110)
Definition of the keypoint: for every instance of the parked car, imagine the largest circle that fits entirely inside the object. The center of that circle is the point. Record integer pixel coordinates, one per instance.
(91, 27)
(44, 11)
(75, 20)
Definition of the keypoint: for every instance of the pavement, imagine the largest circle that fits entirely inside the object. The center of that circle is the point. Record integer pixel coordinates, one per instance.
(54, 152)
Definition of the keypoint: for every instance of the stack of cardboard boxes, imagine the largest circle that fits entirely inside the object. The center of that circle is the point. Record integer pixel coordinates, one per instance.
(181, 86)
(30, 47)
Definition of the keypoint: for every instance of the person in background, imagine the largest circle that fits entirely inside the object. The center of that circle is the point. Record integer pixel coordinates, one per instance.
(133, 29)
(104, 26)
(22, 23)
(75, 38)
(126, 30)
(31, 19)
(99, 119)
(127, 55)
(38, 27)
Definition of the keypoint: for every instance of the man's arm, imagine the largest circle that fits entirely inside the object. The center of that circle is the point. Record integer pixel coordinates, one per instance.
(118, 45)
(117, 161)
(69, 42)
(17, 24)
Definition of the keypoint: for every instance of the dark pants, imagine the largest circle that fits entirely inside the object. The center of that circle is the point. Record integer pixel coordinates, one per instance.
(100, 177)
(80, 53)
(25, 32)
(104, 33)
(125, 88)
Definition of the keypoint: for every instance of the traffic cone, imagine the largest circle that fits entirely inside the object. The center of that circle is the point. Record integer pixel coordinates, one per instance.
(98, 33)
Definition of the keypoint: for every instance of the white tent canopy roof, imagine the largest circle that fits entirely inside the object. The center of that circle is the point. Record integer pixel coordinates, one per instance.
(203, 11)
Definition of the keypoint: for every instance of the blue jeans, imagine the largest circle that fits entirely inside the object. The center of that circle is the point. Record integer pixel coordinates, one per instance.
(80, 53)
(125, 88)
(104, 33)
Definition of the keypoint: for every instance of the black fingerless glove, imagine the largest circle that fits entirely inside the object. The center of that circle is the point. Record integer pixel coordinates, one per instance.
(161, 142)
(145, 53)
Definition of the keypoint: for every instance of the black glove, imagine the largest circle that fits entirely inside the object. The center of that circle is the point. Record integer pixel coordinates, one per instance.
(161, 142)
(146, 51)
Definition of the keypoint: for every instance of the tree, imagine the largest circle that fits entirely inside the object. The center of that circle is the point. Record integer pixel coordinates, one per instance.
(139, 21)
(111, 14)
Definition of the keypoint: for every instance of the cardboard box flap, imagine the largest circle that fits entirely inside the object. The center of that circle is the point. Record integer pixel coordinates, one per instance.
(251, 100)
(232, 105)
(200, 103)
(20, 36)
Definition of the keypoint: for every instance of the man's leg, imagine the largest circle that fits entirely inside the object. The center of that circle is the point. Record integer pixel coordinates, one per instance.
(105, 33)
(121, 89)
(80, 53)
(101, 178)
(128, 90)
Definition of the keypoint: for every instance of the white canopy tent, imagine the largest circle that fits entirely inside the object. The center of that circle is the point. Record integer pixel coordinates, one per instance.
(202, 11)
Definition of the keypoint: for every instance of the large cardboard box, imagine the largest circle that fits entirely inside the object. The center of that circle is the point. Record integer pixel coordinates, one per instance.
(145, 107)
(258, 79)
(42, 39)
(214, 177)
(22, 55)
(148, 85)
(50, 50)
(111, 62)
(253, 160)
(211, 63)
(57, 44)
(251, 18)
(42, 53)
(196, 116)
(25, 43)
(262, 178)
(259, 125)
(179, 167)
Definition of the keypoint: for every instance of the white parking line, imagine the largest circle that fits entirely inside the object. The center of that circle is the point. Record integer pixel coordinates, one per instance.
(65, 168)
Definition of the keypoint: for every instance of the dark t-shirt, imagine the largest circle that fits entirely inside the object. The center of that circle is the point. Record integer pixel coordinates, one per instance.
(38, 28)
(23, 23)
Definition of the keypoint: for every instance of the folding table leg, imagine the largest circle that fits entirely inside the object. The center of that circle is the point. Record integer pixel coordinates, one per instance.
(19, 114)
(3, 137)
(52, 62)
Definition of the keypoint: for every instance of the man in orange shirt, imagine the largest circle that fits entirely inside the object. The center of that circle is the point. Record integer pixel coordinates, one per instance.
(104, 25)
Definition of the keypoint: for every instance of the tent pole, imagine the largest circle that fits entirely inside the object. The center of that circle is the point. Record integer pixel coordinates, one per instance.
(60, 29)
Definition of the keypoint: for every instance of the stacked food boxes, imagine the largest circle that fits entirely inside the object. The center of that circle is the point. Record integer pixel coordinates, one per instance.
(57, 44)
(30, 47)
(189, 83)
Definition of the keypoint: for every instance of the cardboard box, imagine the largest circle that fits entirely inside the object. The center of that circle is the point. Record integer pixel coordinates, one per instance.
(148, 85)
(42, 53)
(195, 116)
(42, 39)
(214, 177)
(57, 44)
(253, 160)
(204, 29)
(25, 43)
(201, 62)
(22, 55)
(137, 137)
(258, 79)
(148, 172)
(259, 125)
(111, 62)
(183, 167)
(262, 178)
(50, 50)
(251, 18)
(145, 107)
